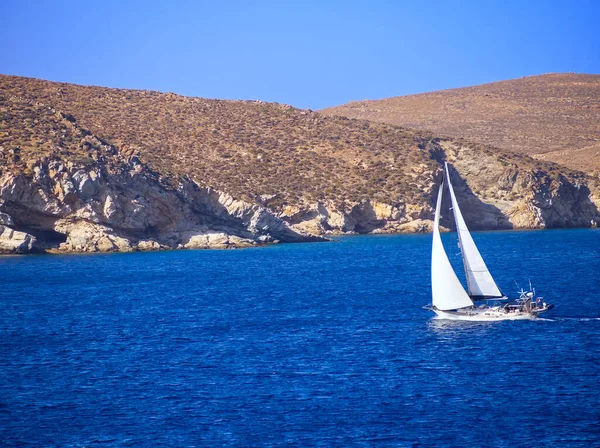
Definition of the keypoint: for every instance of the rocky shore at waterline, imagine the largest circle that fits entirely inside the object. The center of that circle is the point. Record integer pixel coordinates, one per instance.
(115, 205)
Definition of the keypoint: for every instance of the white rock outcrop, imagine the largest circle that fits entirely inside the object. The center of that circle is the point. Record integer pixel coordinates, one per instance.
(105, 208)
(15, 242)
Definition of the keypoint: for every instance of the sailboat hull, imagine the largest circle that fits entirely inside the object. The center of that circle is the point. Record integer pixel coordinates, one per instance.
(485, 315)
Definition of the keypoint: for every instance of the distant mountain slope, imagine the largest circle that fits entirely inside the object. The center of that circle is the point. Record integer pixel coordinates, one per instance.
(96, 169)
(555, 116)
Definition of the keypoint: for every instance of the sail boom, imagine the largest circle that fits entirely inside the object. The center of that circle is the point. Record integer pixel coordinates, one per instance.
(479, 298)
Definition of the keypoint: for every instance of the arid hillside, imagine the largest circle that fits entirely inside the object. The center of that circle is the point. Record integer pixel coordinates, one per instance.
(553, 117)
(250, 149)
(98, 169)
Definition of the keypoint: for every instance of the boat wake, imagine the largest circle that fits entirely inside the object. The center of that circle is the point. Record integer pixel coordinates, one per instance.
(575, 318)
(567, 318)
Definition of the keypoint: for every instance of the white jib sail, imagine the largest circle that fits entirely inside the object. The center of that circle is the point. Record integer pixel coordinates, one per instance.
(479, 280)
(447, 293)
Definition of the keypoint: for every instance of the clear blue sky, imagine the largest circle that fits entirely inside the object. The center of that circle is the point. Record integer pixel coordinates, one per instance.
(311, 54)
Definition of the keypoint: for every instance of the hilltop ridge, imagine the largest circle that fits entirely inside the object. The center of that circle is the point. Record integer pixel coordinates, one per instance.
(553, 117)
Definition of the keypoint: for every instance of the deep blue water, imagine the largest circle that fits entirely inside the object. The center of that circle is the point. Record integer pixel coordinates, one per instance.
(297, 345)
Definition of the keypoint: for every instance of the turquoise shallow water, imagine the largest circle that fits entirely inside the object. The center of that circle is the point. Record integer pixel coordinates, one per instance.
(297, 345)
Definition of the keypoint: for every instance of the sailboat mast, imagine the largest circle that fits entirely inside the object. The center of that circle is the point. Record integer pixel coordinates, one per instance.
(460, 242)
(480, 282)
(447, 293)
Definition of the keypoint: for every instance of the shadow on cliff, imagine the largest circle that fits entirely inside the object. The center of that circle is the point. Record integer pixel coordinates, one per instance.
(249, 220)
(569, 206)
(478, 215)
(42, 227)
(37, 224)
(363, 219)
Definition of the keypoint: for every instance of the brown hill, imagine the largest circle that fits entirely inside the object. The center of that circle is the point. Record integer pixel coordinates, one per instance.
(553, 117)
(64, 189)
(91, 168)
(247, 148)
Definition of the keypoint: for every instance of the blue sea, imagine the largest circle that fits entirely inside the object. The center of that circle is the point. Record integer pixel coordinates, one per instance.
(322, 344)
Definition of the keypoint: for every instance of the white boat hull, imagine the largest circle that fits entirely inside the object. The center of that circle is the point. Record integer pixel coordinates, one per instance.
(483, 315)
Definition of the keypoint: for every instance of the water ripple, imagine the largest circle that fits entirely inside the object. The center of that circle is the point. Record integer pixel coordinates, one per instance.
(301, 345)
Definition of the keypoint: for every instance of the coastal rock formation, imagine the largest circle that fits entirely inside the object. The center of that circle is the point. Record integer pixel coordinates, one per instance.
(106, 202)
(95, 209)
(362, 217)
(15, 242)
(495, 192)
(499, 193)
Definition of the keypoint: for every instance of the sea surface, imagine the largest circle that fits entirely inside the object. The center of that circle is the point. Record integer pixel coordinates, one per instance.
(321, 344)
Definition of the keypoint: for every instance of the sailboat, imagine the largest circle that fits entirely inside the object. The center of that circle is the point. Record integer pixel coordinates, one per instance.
(483, 300)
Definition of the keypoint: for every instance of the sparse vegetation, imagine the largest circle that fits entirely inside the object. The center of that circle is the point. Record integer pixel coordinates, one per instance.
(249, 149)
(554, 117)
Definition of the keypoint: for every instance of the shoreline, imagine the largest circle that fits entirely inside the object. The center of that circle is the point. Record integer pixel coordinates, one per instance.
(330, 238)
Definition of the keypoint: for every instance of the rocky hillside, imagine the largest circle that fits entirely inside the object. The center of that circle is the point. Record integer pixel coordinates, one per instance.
(554, 117)
(64, 189)
(97, 169)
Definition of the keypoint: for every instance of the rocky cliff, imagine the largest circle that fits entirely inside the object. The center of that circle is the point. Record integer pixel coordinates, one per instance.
(495, 192)
(102, 202)
(70, 208)
(178, 172)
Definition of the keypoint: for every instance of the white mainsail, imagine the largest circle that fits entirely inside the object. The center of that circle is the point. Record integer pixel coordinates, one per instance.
(479, 280)
(447, 293)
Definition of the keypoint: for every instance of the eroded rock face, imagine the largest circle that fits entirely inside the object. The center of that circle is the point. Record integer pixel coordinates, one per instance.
(260, 223)
(492, 195)
(494, 192)
(15, 242)
(125, 208)
(120, 205)
(361, 217)
(6, 220)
